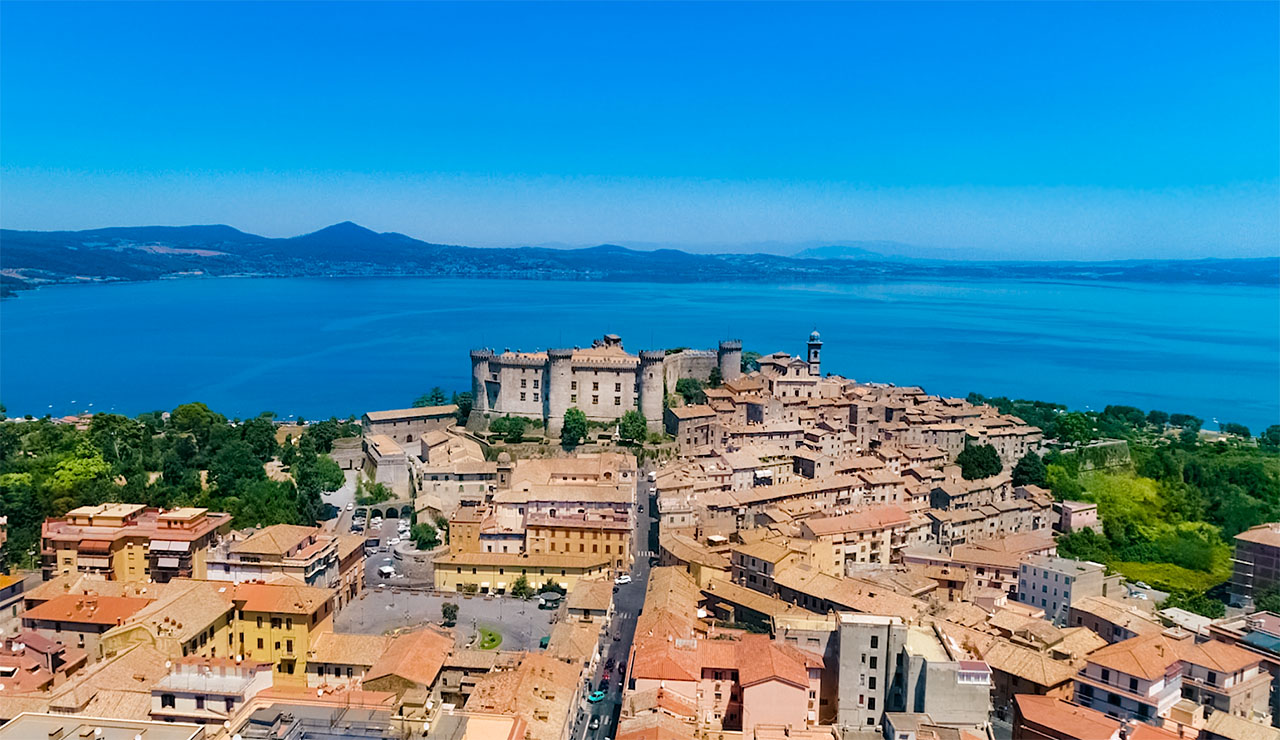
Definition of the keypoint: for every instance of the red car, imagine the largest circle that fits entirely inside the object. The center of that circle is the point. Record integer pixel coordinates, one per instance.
(606, 676)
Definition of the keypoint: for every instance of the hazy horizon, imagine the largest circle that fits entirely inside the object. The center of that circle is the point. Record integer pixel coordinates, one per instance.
(1006, 131)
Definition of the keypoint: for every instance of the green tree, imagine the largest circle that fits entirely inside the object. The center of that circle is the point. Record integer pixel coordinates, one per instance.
(233, 466)
(442, 524)
(1157, 419)
(691, 390)
(633, 427)
(424, 536)
(510, 427)
(750, 361)
(465, 401)
(979, 461)
(449, 611)
(1195, 601)
(1030, 471)
(434, 397)
(521, 589)
(1271, 437)
(1074, 428)
(552, 587)
(715, 378)
(1240, 430)
(260, 434)
(574, 429)
(1184, 421)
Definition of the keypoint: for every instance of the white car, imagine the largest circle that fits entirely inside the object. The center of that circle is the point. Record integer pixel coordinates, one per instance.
(350, 506)
(622, 580)
(393, 541)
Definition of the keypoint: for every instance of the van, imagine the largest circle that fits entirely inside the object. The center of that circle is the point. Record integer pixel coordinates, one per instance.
(386, 571)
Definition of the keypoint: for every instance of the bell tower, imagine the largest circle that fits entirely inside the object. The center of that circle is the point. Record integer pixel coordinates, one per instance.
(815, 353)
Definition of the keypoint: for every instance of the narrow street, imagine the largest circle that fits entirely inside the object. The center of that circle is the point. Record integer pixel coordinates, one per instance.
(627, 602)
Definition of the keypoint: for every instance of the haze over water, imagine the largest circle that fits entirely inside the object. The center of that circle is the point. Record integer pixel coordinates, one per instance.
(321, 347)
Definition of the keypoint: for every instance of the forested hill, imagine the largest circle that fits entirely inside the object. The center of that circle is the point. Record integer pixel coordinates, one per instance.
(32, 258)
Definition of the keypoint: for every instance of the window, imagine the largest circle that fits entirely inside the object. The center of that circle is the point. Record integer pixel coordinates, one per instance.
(617, 400)
(535, 384)
(1213, 678)
(1106, 676)
(521, 395)
(275, 623)
(523, 383)
(573, 386)
(231, 705)
(871, 703)
(617, 387)
(288, 646)
(259, 643)
(167, 701)
(595, 400)
(873, 661)
(871, 682)
(1133, 682)
(288, 623)
(573, 398)
(199, 702)
(875, 641)
(535, 396)
(259, 622)
(595, 386)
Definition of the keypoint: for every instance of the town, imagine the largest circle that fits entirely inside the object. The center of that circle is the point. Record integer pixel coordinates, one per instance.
(679, 544)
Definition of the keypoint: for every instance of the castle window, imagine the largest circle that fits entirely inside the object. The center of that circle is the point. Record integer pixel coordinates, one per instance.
(617, 387)
(535, 396)
(595, 400)
(573, 385)
(535, 383)
(521, 395)
(573, 398)
(523, 382)
(617, 400)
(595, 386)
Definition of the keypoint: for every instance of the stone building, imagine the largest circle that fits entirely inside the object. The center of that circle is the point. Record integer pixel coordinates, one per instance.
(603, 380)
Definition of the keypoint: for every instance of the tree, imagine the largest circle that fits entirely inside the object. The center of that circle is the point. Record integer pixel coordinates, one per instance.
(691, 390)
(1185, 421)
(234, 465)
(260, 434)
(449, 611)
(1240, 430)
(1195, 601)
(521, 589)
(1270, 437)
(552, 587)
(715, 378)
(510, 427)
(1267, 601)
(750, 361)
(574, 430)
(633, 427)
(1157, 419)
(424, 536)
(465, 401)
(1074, 428)
(434, 397)
(1030, 471)
(979, 461)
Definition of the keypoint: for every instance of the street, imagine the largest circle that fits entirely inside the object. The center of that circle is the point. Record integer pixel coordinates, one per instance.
(627, 602)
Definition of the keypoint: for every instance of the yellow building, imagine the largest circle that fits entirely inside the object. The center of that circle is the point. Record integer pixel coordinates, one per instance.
(187, 618)
(130, 542)
(275, 623)
(604, 534)
(496, 572)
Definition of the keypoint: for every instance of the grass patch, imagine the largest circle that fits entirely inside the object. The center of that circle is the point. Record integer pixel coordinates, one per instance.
(1167, 576)
(489, 640)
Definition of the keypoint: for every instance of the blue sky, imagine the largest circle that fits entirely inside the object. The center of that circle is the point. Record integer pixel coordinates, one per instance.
(1033, 130)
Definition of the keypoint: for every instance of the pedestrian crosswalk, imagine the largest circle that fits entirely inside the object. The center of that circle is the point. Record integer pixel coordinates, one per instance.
(624, 615)
(646, 554)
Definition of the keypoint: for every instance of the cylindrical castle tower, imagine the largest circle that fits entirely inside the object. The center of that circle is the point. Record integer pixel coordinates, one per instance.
(730, 357)
(479, 376)
(559, 382)
(649, 380)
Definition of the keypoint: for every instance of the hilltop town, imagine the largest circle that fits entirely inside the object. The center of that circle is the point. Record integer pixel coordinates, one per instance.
(681, 544)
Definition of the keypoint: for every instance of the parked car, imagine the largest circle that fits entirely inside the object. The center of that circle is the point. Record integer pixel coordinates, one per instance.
(622, 580)
(595, 723)
(595, 697)
(393, 541)
(350, 506)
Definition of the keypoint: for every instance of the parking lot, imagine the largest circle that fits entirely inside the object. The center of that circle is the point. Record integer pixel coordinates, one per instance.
(521, 623)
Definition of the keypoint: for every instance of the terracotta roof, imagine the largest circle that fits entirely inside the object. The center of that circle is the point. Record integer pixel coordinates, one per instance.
(657, 725)
(697, 411)
(86, 609)
(1147, 657)
(277, 539)
(591, 595)
(280, 598)
(1072, 720)
(1227, 725)
(348, 649)
(423, 412)
(415, 656)
(863, 520)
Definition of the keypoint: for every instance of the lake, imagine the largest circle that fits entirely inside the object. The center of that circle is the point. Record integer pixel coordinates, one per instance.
(321, 347)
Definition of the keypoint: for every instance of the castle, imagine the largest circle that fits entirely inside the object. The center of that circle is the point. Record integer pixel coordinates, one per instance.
(603, 380)
(606, 381)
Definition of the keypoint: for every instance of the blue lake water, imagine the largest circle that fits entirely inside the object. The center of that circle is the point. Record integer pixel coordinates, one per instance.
(321, 347)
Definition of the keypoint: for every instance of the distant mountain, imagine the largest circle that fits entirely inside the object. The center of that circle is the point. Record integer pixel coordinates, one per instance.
(32, 258)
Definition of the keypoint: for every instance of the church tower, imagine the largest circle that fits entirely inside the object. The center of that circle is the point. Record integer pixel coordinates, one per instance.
(815, 354)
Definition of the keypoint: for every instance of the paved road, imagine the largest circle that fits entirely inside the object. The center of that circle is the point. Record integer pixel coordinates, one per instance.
(521, 623)
(627, 602)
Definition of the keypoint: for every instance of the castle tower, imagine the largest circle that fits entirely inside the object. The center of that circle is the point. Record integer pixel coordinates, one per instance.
(730, 357)
(649, 383)
(479, 376)
(815, 354)
(559, 382)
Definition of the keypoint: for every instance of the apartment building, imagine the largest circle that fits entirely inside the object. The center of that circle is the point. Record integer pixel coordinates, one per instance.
(1114, 621)
(130, 542)
(1052, 583)
(1257, 562)
(276, 623)
(307, 554)
(868, 535)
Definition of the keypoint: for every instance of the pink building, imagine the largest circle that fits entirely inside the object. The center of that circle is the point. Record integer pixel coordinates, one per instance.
(1074, 516)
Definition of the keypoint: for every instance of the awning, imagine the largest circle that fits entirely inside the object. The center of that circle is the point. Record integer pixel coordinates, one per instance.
(502, 584)
(93, 561)
(168, 563)
(485, 584)
(94, 546)
(169, 546)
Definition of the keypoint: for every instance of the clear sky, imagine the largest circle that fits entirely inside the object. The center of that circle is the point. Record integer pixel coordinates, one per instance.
(1032, 130)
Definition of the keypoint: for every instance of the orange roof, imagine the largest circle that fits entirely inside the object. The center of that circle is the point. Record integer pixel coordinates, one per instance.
(416, 656)
(1147, 656)
(756, 658)
(280, 598)
(1220, 656)
(871, 518)
(1151, 732)
(86, 609)
(1071, 719)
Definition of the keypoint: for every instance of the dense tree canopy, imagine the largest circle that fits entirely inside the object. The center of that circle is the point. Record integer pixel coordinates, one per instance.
(192, 456)
(1030, 471)
(979, 461)
(690, 389)
(574, 429)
